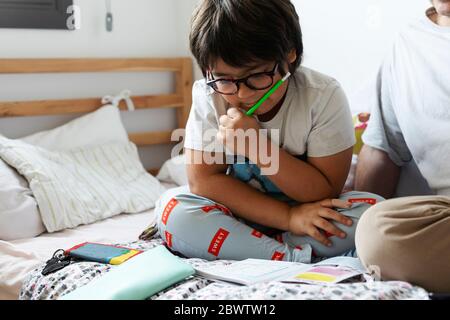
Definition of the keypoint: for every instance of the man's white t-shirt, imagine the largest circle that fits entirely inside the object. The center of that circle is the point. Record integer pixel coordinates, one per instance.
(314, 119)
(410, 103)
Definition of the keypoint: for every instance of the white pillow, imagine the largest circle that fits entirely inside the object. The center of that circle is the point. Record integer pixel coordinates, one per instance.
(83, 185)
(99, 127)
(174, 171)
(19, 214)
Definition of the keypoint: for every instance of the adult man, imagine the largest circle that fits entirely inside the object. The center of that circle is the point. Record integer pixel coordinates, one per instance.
(409, 238)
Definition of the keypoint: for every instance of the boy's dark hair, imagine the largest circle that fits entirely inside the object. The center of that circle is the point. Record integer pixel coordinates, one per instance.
(244, 32)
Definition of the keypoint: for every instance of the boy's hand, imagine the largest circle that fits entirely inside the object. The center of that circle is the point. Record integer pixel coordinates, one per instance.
(238, 142)
(310, 218)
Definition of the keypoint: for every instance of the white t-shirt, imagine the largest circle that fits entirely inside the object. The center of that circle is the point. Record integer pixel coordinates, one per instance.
(410, 103)
(314, 118)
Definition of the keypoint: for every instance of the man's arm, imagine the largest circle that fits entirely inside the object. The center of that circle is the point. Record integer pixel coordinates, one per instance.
(210, 181)
(376, 172)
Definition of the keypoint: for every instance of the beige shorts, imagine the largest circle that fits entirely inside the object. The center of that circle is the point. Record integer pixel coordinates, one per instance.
(408, 239)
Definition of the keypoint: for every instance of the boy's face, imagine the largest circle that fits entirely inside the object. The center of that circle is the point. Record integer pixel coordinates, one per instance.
(245, 98)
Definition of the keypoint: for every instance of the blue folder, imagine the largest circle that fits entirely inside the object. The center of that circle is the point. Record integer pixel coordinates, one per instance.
(136, 279)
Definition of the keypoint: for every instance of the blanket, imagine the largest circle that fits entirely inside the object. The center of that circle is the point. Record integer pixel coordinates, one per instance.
(39, 287)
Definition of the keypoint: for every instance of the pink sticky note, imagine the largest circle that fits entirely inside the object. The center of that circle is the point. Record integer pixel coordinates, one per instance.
(329, 270)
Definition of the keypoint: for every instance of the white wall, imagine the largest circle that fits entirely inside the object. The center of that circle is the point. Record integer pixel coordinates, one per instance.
(347, 39)
(185, 10)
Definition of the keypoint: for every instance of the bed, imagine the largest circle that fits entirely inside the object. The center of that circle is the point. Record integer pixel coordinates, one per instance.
(22, 260)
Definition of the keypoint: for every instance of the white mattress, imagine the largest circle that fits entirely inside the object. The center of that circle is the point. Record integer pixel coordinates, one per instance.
(19, 257)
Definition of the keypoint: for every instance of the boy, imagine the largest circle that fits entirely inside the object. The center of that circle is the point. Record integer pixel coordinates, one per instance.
(230, 210)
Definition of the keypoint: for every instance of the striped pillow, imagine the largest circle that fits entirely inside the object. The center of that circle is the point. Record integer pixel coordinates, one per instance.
(83, 185)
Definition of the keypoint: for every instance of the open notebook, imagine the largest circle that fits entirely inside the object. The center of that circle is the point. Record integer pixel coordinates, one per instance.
(251, 271)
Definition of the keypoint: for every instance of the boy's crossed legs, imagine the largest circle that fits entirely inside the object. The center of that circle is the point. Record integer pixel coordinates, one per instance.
(199, 227)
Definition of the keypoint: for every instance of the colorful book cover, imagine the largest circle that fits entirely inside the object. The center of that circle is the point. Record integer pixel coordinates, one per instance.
(102, 253)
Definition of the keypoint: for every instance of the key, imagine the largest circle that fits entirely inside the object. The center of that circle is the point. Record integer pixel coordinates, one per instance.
(50, 268)
(57, 262)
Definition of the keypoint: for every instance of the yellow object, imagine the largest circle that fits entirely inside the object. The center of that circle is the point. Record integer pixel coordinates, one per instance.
(360, 123)
(124, 257)
(359, 143)
(315, 276)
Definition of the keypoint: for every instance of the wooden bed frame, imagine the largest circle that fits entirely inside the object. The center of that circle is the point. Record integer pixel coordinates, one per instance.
(181, 99)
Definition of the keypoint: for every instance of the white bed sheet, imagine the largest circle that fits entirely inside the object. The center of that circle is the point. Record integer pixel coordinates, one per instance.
(19, 257)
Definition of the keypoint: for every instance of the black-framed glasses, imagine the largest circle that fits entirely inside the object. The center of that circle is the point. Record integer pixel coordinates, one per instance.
(255, 81)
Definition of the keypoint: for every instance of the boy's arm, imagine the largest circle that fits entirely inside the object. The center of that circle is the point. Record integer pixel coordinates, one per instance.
(318, 178)
(329, 149)
(210, 181)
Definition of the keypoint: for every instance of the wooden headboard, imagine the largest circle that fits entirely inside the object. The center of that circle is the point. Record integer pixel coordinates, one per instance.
(181, 99)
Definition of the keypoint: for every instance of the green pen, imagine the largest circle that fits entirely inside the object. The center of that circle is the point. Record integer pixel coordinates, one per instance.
(267, 95)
